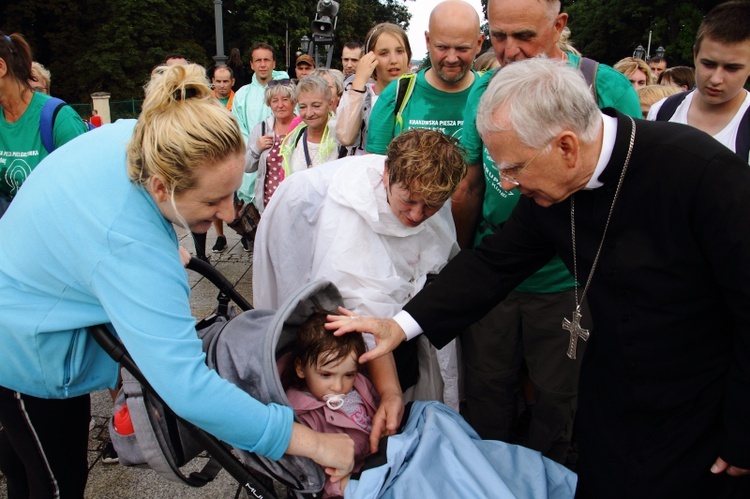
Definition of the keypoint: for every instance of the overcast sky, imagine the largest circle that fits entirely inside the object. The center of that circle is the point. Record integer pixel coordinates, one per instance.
(420, 15)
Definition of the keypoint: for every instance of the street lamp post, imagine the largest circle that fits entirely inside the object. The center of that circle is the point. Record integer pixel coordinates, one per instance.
(645, 54)
(219, 58)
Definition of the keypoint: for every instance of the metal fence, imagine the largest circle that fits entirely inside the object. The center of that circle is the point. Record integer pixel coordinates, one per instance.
(83, 110)
(125, 109)
(117, 109)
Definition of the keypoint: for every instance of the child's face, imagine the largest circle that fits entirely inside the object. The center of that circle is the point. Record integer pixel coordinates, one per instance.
(334, 378)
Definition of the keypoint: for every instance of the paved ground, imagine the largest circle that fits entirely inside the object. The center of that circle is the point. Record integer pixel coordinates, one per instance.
(107, 481)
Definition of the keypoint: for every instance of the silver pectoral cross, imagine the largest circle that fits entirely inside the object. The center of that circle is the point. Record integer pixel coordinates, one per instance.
(576, 331)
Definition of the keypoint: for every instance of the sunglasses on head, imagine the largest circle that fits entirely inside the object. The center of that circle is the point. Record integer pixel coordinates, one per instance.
(276, 83)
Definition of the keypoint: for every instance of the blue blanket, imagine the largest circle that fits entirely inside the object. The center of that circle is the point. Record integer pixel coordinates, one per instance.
(439, 455)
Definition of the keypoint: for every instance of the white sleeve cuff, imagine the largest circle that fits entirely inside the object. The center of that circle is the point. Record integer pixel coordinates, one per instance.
(408, 324)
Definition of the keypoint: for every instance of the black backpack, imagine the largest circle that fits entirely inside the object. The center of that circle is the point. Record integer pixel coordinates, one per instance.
(741, 143)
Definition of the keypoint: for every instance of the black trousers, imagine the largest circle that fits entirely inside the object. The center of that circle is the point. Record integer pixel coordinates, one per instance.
(43, 445)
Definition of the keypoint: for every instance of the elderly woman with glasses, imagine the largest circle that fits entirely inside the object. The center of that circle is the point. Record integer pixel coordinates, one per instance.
(21, 144)
(264, 143)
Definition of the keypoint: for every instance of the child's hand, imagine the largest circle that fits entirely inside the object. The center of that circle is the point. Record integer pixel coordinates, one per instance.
(386, 420)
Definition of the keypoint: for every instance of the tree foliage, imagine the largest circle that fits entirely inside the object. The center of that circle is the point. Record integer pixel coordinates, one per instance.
(112, 45)
(608, 30)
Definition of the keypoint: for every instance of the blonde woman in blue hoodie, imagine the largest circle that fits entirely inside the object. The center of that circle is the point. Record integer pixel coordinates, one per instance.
(90, 240)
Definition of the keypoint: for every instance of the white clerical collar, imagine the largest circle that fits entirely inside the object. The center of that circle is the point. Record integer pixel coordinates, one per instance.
(609, 134)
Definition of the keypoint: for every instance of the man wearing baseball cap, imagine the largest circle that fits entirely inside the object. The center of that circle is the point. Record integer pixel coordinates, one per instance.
(304, 66)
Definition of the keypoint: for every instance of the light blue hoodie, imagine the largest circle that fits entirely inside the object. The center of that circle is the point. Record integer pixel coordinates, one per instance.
(82, 245)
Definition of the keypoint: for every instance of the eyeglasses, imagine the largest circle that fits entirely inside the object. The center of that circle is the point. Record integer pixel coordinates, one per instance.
(276, 83)
(504, 168)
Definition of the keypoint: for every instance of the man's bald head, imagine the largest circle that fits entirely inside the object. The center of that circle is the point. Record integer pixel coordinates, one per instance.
(454, 9)
(453, 40)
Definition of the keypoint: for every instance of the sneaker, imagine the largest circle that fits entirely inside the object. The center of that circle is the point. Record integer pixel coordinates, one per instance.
(109, 454)
(221, 244)
(245, 244)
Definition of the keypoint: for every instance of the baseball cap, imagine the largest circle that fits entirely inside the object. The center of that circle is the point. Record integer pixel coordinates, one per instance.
(304, 58)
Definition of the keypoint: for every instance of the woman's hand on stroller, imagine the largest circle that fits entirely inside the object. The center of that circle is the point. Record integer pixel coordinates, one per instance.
(388, 334)
(184, 256)
(333, 451)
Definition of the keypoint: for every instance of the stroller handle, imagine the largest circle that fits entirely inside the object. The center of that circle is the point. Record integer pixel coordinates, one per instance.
(217, 278)
(115, 349)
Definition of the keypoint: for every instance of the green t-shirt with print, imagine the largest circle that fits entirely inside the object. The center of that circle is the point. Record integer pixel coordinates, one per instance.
(427, 107)
(21, 148)
(613, 90)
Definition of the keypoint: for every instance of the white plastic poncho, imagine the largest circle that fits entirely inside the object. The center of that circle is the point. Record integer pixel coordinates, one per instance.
(333, 222)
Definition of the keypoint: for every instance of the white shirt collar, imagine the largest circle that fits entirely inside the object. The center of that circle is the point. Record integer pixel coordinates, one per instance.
(609, 134)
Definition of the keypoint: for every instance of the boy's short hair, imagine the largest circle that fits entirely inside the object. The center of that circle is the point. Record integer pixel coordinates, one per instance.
(427, 163)
(727, 23)
(314, 341)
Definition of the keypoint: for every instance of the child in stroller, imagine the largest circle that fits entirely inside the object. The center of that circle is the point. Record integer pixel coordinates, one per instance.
(436, 453)
(327, 390)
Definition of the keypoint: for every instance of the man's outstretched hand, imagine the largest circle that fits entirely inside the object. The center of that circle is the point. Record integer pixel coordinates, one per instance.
(388, 334)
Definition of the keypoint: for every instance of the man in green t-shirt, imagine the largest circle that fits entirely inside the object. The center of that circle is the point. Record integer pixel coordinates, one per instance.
(526, 326)
(440, 92)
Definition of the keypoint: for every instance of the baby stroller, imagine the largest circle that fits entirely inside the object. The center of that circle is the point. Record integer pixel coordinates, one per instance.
(165, 442)
(435, 451)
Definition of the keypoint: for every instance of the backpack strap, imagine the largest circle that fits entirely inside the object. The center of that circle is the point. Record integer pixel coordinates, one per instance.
(305, 149)
(742, 142)
(589, 68)
(669, 106)
(404, 89)
(47, 122)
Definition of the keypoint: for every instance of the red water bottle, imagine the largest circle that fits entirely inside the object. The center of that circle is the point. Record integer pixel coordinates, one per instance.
(123, 424)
